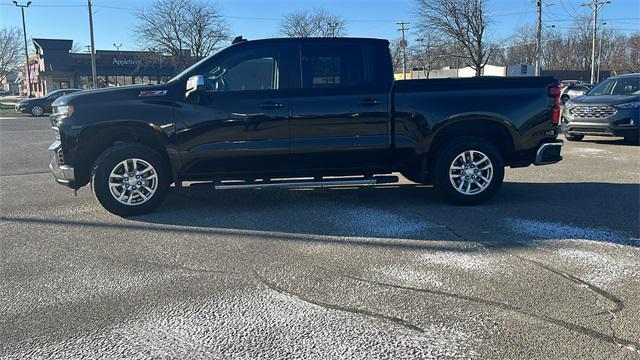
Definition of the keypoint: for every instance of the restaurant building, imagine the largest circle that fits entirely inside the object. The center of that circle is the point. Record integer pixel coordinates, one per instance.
(54, 66)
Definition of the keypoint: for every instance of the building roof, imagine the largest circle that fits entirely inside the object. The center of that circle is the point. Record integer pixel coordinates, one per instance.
(53, 44)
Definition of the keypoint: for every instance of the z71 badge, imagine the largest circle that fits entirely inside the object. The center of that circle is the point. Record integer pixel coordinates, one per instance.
(153, 93)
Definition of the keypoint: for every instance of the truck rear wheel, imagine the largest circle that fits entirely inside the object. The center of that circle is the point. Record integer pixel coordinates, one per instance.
(468, 170)
(130, 179)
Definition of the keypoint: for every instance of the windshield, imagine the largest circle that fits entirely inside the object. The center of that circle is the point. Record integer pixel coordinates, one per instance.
(617, 86)
(53, 93)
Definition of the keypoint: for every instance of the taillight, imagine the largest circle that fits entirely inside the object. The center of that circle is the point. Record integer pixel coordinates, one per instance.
(554, 92)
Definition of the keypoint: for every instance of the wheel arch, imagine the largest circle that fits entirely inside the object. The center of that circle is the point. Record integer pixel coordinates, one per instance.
(491, 127)
(94, 140)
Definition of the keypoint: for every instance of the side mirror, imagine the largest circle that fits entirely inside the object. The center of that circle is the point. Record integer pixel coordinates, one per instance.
(195, 83)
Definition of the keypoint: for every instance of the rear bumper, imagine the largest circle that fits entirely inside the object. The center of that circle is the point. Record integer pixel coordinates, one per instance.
(549, 153)
(63, 174)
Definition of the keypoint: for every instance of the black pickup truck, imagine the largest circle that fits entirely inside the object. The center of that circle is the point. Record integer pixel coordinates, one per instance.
(301, 112)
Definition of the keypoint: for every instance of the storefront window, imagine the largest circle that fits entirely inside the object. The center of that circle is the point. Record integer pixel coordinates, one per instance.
(85, 82)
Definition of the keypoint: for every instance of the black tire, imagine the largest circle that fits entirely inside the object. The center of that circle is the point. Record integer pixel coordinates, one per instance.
(574, 137)
(109, 159)
(37, 111)
(447, 155)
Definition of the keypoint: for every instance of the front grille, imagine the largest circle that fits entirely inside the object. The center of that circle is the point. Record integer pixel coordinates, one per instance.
(592, 112)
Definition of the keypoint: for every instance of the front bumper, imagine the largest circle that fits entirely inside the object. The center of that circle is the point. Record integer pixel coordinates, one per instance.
(20, 108)
(63, 174)
(549, 153)
(625, 122)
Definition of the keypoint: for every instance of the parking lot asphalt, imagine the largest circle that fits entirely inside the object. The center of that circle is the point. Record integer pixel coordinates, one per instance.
(548, 269)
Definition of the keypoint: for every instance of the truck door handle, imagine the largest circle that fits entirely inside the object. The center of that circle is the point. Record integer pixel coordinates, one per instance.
(270, 105)
(368, 102)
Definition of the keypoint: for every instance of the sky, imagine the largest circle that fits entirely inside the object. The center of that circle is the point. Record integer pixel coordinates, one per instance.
(114, 20)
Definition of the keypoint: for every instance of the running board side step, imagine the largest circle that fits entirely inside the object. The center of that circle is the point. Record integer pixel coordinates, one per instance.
(301, 183)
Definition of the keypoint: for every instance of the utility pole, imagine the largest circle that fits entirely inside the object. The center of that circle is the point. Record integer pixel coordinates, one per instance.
(93, 48)
(539, 39)
(403, 28)
(600, 53)
(595, 6)
(538, 65)
(26, 49)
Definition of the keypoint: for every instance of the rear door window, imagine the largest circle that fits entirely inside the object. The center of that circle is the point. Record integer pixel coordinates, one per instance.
(332, 66)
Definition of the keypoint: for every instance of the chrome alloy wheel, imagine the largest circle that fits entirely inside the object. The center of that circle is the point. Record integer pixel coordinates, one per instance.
(471, 172)
(37, 111)
(133, 182)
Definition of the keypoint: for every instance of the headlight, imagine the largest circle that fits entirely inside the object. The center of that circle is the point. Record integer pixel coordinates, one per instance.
(630, 105)
(64, 111)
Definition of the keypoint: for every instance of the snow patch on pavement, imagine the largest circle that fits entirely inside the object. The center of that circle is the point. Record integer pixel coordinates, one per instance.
(479, 261)
(586, 151)
(262, 324)
(551, 230)
(407, 276)
(601, 269)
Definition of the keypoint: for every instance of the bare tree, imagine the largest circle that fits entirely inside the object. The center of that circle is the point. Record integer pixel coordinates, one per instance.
(76, 47)
(11, 50)
(429, 53)
(522, 47)
(314, 23)
(464, 21)
(188, 30)
(632, 63)
(396, 54)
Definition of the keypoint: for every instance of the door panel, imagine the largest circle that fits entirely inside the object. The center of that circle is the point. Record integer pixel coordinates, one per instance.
(337, 120)
(336, 132)
(241, 123)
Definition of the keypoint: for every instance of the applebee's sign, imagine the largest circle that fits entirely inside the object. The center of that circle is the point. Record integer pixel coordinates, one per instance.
(120, 60)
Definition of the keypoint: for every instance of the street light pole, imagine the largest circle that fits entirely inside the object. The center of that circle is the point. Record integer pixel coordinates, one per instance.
(93, 48)
(600, 54)
(539, 39)
(26, 49)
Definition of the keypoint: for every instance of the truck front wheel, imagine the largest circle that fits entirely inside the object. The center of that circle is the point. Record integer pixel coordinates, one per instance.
(130, 179)
(468, 170)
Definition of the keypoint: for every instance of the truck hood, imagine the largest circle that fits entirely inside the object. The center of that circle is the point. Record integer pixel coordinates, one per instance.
(110, 94)
(604, 99)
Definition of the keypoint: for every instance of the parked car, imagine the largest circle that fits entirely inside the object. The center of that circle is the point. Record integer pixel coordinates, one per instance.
(573, 90)
(260, 113)
(612, 108)
(41, 105)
